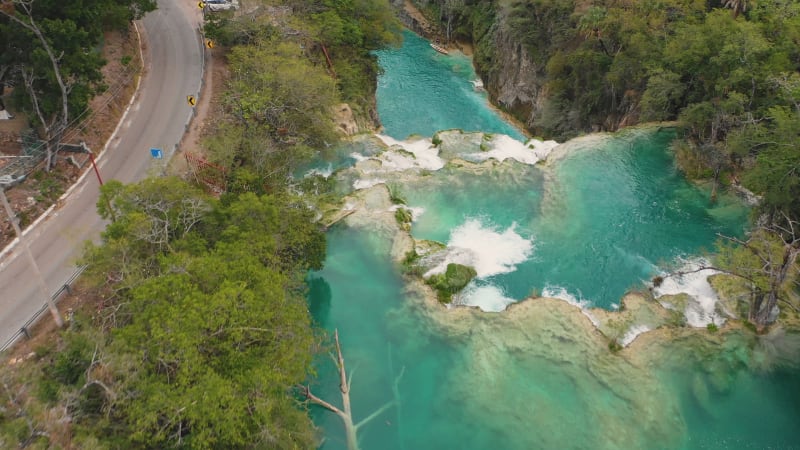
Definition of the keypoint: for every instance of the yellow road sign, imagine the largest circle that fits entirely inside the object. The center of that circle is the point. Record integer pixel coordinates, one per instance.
(201, 5)
(192, 101)
(209, 43)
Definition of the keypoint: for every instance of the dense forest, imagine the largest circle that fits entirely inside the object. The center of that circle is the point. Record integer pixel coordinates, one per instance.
(727, 70)
(201, 331)
(724, 71)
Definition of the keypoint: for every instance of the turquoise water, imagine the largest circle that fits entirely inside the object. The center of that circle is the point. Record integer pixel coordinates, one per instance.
(609, 216)
(437, 88)
(605, 215)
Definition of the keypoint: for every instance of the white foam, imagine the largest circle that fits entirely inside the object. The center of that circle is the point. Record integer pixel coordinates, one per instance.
(504, 147)
(701, 308)
(488, 251)
(426, 155)
(488, 298)
(358, 157)
(633, 332)
(326, 172)
(367, 183)
(562, 294)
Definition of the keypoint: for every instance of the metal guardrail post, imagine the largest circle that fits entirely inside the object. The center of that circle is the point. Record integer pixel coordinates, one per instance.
(25, 329)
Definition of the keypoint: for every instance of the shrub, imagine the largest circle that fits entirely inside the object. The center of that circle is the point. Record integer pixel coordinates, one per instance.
(455, 278)
(403, 217)
(71, 363)
(47, 390)
(409, 264)
(395, 196)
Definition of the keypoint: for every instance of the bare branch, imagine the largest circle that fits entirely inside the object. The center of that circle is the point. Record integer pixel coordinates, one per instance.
(725, 271)
(306, 390)
(372, 416)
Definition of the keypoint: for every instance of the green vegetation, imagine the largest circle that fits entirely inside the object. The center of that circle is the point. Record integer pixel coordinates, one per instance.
(726, 71)
(335, 37)
(287, 75)
(766, 262)
(404, 218)
(203, 329)
(50, 49)
(395, 195)
(451, 282)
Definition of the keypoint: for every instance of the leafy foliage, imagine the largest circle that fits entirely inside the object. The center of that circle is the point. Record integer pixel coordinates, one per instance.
(728, 70)
(50, 49)
(207, 328)
(452, 281)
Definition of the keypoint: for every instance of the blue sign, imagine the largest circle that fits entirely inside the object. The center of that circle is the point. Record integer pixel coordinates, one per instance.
(156, 153)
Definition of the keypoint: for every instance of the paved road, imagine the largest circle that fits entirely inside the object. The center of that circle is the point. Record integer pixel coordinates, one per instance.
(157, 118)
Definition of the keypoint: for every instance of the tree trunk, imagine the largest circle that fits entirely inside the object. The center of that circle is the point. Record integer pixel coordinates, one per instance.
(345, 413)
(764, 304)
(757, 298)
(765, 309)
(60, 122)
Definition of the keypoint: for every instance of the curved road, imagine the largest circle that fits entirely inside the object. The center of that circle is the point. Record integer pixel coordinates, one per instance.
(157, 118)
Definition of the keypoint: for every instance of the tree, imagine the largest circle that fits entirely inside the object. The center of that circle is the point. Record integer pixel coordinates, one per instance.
(279, 106)
(210, 329)
(767, 262)
(661, 99)
(345, 413)
(591, 23)
(737, 6)
(221, 344)
(50, 48)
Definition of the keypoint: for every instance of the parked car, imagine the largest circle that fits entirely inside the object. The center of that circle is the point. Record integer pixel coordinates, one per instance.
(221, 5)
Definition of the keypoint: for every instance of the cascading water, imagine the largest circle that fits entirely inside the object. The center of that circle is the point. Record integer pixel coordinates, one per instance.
(603, 214)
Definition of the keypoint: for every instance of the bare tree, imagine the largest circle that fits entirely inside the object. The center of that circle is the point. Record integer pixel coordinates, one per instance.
(17, 402)
(737, 6)
(765, 261)
(345, 413)
(56, 124)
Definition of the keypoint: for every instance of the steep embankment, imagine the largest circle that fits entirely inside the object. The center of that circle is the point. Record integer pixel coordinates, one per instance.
(511, 76)
(514, 79)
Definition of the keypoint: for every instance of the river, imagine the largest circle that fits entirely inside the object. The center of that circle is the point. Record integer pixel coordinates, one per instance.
(594, 220)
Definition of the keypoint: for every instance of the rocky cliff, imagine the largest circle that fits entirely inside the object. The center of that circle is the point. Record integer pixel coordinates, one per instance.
(513, 80)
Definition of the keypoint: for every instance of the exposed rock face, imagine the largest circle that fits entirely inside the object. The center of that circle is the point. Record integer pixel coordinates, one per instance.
(345, 120)
(515, 83)
(414, 20)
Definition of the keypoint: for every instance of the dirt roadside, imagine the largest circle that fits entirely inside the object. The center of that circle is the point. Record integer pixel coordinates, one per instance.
(41, 190)
(81, 298)
(209, 106)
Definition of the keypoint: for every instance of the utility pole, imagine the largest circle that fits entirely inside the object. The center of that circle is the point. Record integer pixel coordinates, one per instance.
(36, 272)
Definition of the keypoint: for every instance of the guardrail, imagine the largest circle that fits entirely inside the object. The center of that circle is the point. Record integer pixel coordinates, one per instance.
(25, 329)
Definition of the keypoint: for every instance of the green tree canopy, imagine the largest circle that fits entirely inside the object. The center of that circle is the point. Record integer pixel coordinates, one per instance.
(208, 326)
